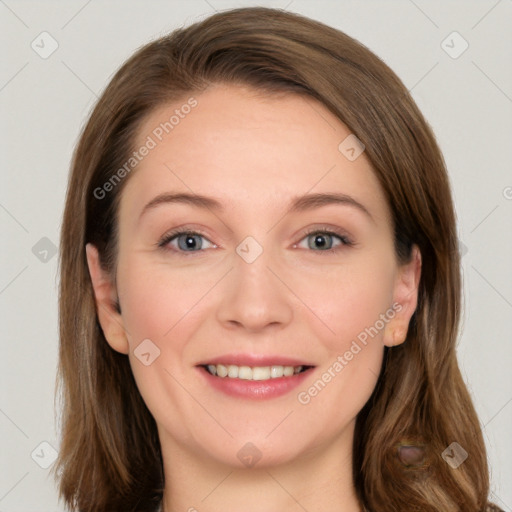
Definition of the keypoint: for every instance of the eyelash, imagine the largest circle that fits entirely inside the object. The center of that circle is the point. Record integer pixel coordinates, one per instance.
(170, 236)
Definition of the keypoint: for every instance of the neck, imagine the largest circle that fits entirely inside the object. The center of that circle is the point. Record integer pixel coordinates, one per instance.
(320, 480)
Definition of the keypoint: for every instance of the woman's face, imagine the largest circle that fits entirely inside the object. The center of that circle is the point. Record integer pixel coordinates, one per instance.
(288, 267)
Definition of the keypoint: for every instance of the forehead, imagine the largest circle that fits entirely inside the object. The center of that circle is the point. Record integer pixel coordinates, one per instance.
(247, 148)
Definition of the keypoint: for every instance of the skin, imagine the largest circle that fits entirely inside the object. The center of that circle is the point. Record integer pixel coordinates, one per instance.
(254, 153)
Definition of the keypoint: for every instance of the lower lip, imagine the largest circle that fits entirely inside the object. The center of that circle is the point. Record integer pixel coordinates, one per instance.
(255, 389)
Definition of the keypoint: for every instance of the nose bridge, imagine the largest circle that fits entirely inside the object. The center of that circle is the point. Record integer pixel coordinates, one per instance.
(255, 297)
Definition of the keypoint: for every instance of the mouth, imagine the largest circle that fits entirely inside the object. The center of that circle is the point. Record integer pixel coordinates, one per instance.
(254, 373)
(254, 377)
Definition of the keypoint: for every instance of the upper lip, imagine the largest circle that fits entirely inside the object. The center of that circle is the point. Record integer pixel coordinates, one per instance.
(255, 360)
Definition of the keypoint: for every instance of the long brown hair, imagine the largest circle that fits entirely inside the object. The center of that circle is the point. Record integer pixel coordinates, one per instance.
(110, 455)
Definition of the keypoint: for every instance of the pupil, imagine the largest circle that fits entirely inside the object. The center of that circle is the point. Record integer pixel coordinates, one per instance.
(320, 240)
(190, 242)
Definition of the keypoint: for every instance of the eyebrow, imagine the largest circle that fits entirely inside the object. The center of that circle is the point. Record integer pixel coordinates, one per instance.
(298, 203)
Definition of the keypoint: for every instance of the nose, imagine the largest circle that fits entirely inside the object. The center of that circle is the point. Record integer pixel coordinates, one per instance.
(255, 296)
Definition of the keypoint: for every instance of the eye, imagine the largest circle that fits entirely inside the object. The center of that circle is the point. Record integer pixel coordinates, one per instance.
(324, 239)
(188, 241)
(184, 241)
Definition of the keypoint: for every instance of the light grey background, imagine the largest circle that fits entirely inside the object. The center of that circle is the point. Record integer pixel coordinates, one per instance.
(45, 101)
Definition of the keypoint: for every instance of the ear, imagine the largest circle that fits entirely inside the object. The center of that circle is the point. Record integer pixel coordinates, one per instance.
(405, 299)
(105, 296)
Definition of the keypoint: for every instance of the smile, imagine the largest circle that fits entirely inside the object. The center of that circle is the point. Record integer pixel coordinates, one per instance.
(232, 371)
(254, 382)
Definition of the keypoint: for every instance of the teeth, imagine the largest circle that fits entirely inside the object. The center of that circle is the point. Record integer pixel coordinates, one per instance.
(233, 371)
(288, 371)
(222, 371)
(244, 372)
(253, 373)
(276, 371)
(261, 373)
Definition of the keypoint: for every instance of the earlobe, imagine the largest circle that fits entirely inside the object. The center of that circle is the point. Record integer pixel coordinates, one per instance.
(406, 296)
(107, 308)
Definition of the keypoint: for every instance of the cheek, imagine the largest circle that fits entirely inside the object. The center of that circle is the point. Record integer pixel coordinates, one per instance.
(157, 307)
(349, 299)
(165, 306)
(154, 301)
(358, 298)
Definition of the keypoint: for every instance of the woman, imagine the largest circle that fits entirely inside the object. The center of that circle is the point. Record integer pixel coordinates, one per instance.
(260, 285)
